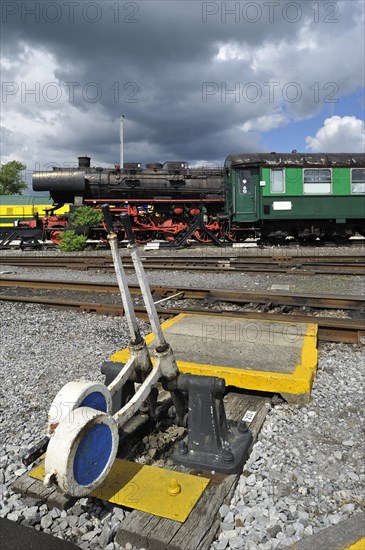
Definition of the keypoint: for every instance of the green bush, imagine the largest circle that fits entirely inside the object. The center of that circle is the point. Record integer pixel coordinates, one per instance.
(72, 242)
(84, 215)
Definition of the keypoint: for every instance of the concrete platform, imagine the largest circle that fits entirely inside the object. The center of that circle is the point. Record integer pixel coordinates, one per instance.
(267, 356)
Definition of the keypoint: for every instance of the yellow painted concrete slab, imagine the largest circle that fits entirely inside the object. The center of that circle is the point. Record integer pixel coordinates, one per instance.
(147, 489)
(268, 356)
(359, 545)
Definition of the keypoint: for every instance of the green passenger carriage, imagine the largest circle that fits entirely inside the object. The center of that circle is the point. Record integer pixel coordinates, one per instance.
(305, 196)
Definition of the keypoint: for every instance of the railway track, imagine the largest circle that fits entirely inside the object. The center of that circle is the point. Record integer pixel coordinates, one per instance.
(303, 265)
(330, 329)
(319, 301)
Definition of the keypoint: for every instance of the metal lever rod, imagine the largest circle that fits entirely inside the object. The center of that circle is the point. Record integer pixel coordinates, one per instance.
(121, 278)
(133, 405)
(143, 283)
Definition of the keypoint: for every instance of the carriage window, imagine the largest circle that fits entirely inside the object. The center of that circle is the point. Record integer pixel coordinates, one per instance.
(358, 180)
(317, 181)
(244, 181)
(277, 181)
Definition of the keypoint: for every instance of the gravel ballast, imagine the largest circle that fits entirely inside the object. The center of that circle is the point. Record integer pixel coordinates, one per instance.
(306, 471)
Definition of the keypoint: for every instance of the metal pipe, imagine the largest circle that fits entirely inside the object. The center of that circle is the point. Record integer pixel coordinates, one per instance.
(143, 283)
(124, 290)
(121, 278)
(147, 297)
(122, 141)
(169, 298)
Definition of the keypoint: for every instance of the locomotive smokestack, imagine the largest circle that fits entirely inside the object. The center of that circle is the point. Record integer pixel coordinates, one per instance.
(122, 141)
(84, 162)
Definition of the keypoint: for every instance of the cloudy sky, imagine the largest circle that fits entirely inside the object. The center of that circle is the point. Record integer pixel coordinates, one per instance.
(195, 80)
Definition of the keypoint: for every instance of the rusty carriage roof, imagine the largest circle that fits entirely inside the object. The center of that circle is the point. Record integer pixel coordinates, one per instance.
(302, 160)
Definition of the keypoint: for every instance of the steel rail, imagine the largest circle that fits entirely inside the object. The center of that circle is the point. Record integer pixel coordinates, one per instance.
(211, 258)
(197, 260)
(322, 301)
(292, 266)
(330, 329)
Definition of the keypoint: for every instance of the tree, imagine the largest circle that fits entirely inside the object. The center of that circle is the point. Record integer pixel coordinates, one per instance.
(11, 182)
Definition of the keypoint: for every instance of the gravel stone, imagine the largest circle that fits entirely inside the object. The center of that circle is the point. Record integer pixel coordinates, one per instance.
(238, 542)
(251, 480)
(224, 510)
(227, 526)
(222, 544)
(46, 521)
(89, 536)
(14, 516)
(118, 513)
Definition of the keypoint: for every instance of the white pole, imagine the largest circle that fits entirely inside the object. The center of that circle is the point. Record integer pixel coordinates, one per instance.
(122, 141)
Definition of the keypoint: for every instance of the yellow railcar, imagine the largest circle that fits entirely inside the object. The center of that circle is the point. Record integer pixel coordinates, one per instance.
(14, 208)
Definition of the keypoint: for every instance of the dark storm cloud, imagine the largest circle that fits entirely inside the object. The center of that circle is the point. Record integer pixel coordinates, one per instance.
(152, 61)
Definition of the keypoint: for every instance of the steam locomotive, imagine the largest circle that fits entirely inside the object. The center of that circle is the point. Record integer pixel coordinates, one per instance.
(161, 199)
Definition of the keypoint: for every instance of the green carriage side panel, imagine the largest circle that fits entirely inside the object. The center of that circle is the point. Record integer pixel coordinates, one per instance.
(340, 204)
(313, 207)
(293, 178)
(292, 203)
(21, 200)
(341, 181)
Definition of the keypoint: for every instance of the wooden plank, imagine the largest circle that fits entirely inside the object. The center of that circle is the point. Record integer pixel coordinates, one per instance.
(30, 487)
(194, 530)
(136, 529)
(206, 541)
(198, 532)
(23, 484)
(57, 499)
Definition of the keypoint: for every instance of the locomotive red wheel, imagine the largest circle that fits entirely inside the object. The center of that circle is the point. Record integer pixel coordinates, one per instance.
(174, 226)
(55, 236)
(203, 237)
(232, 236)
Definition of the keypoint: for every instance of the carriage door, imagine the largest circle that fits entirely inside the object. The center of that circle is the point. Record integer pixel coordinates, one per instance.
(247, 184)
